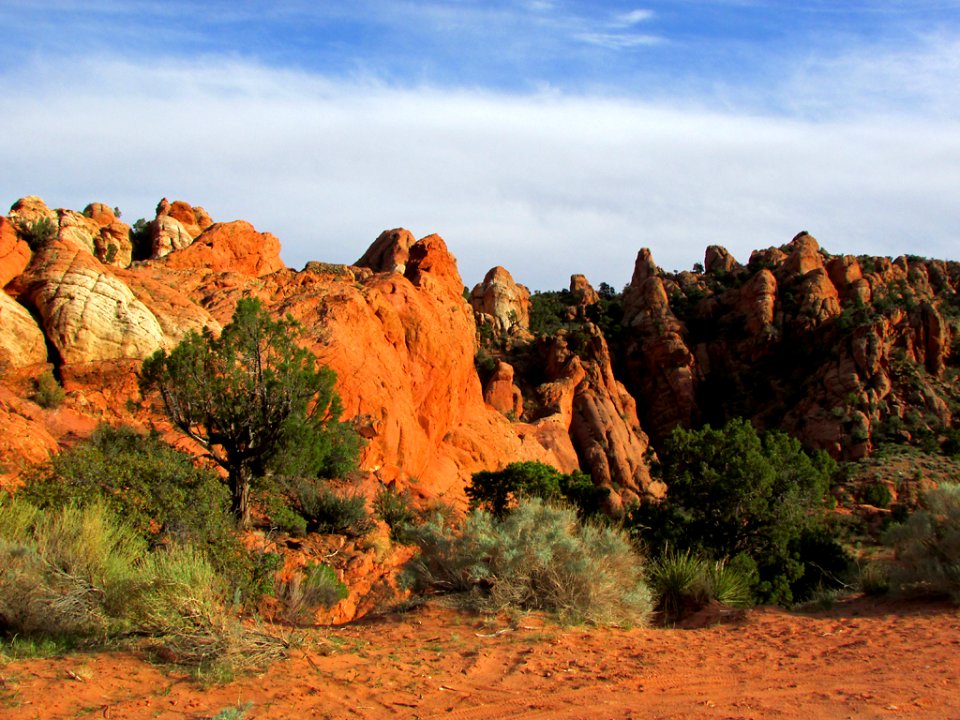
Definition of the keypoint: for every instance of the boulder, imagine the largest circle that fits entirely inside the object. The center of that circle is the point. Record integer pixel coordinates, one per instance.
(229, 247)
(770, 258)
(501, 393)
(192, 219)
(100, 213)
(505, 302)
(844, 272)
(431, 266)
(78, 229)
(113, 246)
(27, 210)
(583, 293)
(804, 255)
(87, 313)
(389, 252)
(820, 300)
(757, 303)
(21, 341)
(168, 234)
(718, 259)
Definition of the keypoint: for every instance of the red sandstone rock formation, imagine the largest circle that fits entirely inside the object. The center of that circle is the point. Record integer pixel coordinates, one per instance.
(229, 247)
(389, 251)
(502, 304)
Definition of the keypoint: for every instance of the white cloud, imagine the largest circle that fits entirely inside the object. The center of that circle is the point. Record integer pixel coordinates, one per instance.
(634, 17)
(546, 185)
(918, 79)
(618, 41)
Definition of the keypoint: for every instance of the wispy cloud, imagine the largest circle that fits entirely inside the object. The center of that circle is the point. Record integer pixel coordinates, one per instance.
(349, 118)
(544, 184)
(616, 32)
(634, 17)
(618, 41)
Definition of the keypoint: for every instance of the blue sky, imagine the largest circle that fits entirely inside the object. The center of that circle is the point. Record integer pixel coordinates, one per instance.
(548, 136)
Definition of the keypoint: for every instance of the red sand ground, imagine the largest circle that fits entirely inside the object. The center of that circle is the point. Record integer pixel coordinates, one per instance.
(861, 659)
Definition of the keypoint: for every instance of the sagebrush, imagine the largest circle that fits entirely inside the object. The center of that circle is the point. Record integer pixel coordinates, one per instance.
(927, 546)
(81, 572)
(539, 557)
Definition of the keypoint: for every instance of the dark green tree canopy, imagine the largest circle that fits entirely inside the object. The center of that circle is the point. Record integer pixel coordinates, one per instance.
(254, 399)
(733, 493)
(498, 491)
(155, 488)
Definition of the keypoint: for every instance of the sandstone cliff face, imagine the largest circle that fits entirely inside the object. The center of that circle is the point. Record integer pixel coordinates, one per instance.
(566, 389)
(839, 353)
(604, 426)
(21, 342)
(176, 226)
(229, 247)
(399, 335)
(389, 252)
(660, 364)
(14, 252)
(87, 313)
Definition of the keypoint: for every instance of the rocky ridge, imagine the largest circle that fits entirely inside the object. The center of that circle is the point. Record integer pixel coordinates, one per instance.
(843, 352)
(395, 328)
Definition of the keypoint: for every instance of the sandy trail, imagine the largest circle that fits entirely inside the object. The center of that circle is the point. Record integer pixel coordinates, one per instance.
(861, 659)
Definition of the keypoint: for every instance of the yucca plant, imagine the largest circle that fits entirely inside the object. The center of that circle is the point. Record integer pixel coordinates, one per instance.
(684, 582)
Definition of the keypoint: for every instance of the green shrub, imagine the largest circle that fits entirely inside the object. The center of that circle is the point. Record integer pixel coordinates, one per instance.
(730, 584)
(539, 557)
(39, 233)
(877, 494)
(158, 491)
(500, 490)
(677, 582)
(395, 508)
(302, 595)
(156, 488)
(140, 240)
(548, 311)
(735, 493)
(80, 572)
(255, 399)
(327, 511)
(874, 579)
(288, 520)
(927, 546)
(47, 392)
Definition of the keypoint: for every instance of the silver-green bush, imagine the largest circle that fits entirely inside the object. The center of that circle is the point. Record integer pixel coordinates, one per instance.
(67, 572)
(538, 557)
(927, 546)
(80, 572)
(306, 592)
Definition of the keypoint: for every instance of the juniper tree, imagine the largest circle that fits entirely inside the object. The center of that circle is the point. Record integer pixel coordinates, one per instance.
(254, 399)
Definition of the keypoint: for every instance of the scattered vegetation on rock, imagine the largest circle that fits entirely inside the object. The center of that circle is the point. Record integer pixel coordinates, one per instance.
(39, 233)
(498, 492)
